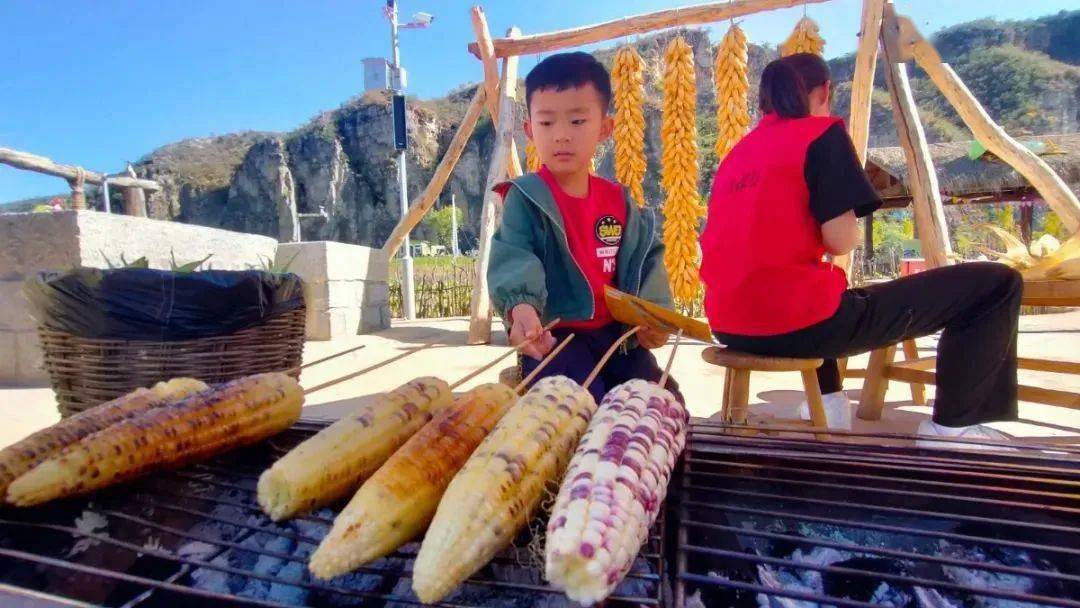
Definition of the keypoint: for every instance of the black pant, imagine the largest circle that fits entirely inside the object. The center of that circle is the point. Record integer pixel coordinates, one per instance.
(976, 306)
(579, 357)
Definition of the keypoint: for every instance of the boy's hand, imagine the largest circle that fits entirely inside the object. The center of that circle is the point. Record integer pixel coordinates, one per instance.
(651, 338)
(526, 325)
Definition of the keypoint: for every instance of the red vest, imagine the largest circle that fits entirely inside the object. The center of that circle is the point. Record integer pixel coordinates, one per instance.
(761, 250)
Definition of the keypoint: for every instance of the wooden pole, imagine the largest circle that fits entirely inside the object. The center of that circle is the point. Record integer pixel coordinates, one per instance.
(1050, 186)
(78, 193)
(922, 180)
(480, 318)
(635, 24)
(862, 83)
(40, 164)
(134, 198)
(491, 81)
(423, 203)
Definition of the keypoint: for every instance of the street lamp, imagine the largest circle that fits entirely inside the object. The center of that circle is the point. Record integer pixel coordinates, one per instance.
(420, 21)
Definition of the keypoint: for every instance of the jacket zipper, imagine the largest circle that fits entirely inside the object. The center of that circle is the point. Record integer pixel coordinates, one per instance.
(566, 242)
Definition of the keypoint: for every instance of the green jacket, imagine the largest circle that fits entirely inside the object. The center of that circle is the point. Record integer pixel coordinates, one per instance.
(531, 260)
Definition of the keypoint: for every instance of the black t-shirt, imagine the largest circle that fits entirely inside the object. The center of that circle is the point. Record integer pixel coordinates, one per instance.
(836, 178)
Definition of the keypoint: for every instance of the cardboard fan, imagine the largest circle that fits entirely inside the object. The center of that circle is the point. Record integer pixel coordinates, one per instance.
(632, 310)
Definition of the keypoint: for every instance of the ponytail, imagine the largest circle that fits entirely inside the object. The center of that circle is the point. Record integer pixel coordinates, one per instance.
(786, 84)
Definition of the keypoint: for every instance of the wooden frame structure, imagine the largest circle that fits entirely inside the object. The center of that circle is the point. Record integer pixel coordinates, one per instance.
(881, 28)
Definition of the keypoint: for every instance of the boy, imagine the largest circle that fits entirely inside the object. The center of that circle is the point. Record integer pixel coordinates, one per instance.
(565, 234)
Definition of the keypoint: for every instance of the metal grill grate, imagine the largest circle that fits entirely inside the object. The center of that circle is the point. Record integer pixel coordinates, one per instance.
(785, 522)
(198, 535)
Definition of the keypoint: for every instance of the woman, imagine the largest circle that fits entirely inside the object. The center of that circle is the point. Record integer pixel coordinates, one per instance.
(791, 191)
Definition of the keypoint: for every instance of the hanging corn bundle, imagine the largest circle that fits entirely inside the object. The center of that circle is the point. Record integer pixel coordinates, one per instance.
(679, 163)
(805, 39)
(532, 158)
(628, 80)
(732, 86)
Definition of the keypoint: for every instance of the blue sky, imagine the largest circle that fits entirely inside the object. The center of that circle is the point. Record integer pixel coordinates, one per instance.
(100, 82)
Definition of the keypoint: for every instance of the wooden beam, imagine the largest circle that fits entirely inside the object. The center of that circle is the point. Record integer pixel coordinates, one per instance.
(423, 203)
(480, 318)
(1049, 365)
(872, 396)
(636, 24)
(491, 80)
(1033, 394)
(1034, 169)
(862, 83)
(40, 164)
(922, 180)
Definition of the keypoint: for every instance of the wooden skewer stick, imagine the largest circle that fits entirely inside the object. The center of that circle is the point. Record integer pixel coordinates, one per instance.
(671, 359)
(607, 355)
(325, 359)
(516, 349)
(554, 353)
(369, 368)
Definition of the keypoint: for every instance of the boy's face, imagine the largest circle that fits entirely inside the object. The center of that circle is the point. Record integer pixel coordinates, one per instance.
(566, 127)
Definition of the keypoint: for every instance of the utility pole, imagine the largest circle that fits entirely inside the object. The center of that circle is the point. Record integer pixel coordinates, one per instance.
(453, 227)
(408, 286)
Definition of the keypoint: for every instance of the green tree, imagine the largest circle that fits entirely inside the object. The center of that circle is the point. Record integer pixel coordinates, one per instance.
(439, 224)
(1004, 217)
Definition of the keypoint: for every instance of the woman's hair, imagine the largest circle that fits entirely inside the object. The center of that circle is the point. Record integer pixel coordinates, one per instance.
(786, 84)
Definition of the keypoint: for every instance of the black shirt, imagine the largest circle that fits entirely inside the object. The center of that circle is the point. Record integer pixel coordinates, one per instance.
(836, 178)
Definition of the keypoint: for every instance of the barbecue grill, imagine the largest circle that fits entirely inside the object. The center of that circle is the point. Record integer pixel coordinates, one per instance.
(765, 521)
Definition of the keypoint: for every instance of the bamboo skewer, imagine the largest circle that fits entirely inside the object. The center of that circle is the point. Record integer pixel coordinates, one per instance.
(554, 352)
(610, 351)
(516, 349)
(325, 359)
(671, 359)
(369, 368)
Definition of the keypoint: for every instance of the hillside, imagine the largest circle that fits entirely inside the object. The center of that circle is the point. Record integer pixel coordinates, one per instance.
(338, 170)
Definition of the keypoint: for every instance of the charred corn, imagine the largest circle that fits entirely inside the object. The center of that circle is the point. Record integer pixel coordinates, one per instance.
(628, 89)
(24, 455)
(806, 38)
(399, 500)
(613, 490)
(500, 487)
(679, 163)
(199, 426)
(333, 463)
(732, 85)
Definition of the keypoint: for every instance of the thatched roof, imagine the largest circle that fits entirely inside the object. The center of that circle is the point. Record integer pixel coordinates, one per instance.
(961, 177)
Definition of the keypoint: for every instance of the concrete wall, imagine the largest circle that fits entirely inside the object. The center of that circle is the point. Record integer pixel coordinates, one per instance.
(345, 287)
(35, 242)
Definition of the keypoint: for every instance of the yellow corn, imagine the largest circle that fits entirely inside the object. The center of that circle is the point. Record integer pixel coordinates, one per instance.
(199, 426)
(806, 38)
(24, 455)
(628, 90)
(333, 463)
(532, 157)
(399, 500)
(500, 487)
(732, 86)
(679, 162)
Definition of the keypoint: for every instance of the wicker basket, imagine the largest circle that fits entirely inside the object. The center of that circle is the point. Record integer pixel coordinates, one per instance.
(85, 372)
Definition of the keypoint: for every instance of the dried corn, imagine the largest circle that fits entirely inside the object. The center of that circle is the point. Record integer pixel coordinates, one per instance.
(732, 86)
(613, 490)
(333, 463)
(682, 207)
(399, 500)
(532, 157)
(24, 455)
(806, 38)
(199, 426)
(501, 485)
(628, 89)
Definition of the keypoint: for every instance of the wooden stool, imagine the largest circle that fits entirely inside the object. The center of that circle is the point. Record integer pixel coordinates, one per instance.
(738, 366)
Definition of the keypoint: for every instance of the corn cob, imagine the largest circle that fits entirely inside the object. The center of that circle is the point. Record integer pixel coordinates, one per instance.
(613, 490)
(399, 500)
(682, 207)
(500, 487)
(532, 157)
(199, 426)
(24, 455)
(333, 463)
(628, 88)
(732, 86)
(806, 38)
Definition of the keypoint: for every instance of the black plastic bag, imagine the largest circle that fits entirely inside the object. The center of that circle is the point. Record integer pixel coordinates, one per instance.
(159, 305)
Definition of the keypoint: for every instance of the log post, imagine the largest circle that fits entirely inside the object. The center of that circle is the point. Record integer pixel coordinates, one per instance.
(134, 198)
(480, 317)
(78, 192)
(1050, 186)
(862, 83)
(922, 180)
(491, 81)
(423, 203)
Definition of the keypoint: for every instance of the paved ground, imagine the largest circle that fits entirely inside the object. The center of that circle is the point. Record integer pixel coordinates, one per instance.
(23, 410)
